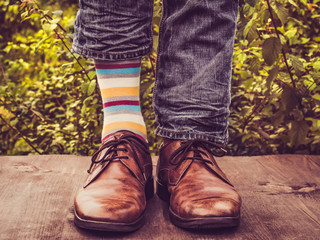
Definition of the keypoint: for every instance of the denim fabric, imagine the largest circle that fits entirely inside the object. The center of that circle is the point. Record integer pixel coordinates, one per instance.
(192, 89)
(113, 29)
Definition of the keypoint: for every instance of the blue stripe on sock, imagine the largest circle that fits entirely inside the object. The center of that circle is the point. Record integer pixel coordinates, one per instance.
(121, 107)
(118, 71)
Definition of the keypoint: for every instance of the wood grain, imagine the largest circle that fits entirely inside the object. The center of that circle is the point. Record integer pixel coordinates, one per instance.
(281, 200)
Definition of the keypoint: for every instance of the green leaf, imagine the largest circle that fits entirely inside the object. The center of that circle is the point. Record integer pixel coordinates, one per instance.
(250, 30)
(291, 33)
(92, 74)
(255, 65)
(310, 84)
(252, 34)
(282, 12)
(304, 40)
(304, 2)
(271, 49)
(41, 41)
(45, 12)
(24, 15)
(54, 21)
(289, 98)
(57, 13)
(297, 64)
(316, 96)
(299, 132)
(316, 38)
(316, 65)
(84, 88)
(85, 105)
(70, 127)
(272, 75)
(48, 28)
(92, 87)
(252, 3)
(87, 100)
(293, 3)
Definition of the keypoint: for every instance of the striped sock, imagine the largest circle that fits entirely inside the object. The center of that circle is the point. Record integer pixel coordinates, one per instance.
(119, 84)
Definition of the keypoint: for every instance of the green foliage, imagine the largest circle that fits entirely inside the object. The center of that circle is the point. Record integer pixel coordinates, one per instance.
(276, 80)
(50, 102)
(147, 83)
(46, 95)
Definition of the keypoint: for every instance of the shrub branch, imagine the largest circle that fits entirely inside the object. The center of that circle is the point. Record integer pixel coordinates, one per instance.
(24, 138)
(278, 36)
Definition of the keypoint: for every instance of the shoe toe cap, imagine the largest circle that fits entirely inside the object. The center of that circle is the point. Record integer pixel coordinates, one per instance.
(210, 207)
(106, 209)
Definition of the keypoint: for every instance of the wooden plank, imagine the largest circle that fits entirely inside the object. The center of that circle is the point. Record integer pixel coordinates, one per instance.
(281, 196)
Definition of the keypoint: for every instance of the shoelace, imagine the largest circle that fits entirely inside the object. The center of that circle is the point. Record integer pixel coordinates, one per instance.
(113, 149)
(180, 155)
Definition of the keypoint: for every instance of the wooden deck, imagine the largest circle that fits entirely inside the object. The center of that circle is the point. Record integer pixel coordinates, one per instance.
(281, 200)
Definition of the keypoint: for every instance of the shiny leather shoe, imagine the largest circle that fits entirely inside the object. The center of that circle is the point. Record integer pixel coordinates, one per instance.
(120, 181)
(199, 193)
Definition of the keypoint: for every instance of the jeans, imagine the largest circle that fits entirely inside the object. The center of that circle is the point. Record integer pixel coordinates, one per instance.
(192, 89)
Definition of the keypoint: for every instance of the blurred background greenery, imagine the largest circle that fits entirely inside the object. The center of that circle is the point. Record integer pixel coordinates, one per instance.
(50, 102)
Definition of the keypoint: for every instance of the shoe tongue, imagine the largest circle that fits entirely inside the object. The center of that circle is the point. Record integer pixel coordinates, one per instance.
(196, 154)
(168, 141)
(118, 134)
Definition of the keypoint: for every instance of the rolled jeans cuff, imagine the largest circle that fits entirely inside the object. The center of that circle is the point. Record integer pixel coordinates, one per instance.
(87, 52)
(113, 30)
(212, 137)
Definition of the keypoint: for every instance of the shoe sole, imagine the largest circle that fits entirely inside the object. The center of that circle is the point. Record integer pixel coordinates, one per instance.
(195, 223)
(112, 226)
(108, 226)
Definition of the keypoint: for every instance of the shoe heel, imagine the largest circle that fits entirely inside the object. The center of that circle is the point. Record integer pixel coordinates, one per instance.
(162, 192)
(149, 189)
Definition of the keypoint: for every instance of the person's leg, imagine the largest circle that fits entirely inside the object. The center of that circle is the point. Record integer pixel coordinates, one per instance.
(191, 100)
(119, 83)
(191, 96)
(116, 34)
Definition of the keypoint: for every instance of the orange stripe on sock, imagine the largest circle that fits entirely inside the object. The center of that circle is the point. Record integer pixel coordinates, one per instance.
(124, 125)
(120, 91)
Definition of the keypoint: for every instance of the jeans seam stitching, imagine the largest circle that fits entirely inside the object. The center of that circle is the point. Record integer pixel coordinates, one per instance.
(144, 49)
(160, 130)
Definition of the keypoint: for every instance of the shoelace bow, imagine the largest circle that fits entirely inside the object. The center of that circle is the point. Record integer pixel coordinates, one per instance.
(180, 155)
(113, 149)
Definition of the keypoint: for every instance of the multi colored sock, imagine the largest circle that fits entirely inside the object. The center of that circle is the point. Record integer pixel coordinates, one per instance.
(119, 84)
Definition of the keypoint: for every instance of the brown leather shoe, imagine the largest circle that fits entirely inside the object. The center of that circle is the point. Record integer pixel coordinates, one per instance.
(199, 193)
(119, 182)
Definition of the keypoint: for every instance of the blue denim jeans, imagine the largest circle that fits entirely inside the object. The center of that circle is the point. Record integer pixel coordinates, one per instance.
(192, 89)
